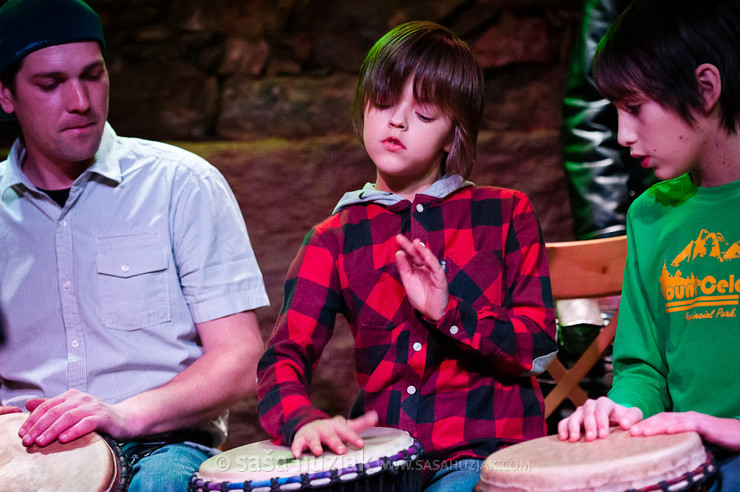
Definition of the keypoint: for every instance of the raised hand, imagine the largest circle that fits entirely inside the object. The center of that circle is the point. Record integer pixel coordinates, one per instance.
(422, 277)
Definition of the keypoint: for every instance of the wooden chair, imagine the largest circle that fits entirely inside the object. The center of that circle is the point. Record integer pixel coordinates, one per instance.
(583, 269)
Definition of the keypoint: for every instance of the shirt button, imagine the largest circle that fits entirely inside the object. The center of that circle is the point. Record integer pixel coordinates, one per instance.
(75, 343)
(419, 207)
(125, 268)
(67, 284)
(62, 222)
(453, 329)
(410, 390)
(417, 346)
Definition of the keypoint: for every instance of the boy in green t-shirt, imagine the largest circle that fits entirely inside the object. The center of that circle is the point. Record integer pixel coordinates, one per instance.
(672, 68)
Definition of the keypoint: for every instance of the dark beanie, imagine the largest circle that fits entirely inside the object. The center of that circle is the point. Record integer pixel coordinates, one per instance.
(30, 25)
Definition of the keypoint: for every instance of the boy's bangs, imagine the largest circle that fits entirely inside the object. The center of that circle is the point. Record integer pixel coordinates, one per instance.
(383, 89)
(431, 76)
(617, 78)
(431, 86)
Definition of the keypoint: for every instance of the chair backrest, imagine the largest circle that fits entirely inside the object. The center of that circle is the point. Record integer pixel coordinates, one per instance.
(584, 269)
(588, 268)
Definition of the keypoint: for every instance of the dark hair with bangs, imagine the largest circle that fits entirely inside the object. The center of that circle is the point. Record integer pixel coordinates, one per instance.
(655, 46)
(444, 74)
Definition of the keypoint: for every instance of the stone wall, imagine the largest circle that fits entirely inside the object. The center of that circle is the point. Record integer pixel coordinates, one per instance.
(263, 89)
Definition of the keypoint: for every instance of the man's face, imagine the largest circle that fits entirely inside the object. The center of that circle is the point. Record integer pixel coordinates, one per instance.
(61, 103)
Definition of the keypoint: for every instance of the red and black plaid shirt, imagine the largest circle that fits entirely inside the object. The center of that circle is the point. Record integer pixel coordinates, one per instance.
(461, 386)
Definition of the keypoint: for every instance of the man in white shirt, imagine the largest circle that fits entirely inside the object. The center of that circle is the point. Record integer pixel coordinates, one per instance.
(128, 283)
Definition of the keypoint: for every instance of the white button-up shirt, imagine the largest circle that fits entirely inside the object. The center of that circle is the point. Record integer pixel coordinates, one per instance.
(103, 295)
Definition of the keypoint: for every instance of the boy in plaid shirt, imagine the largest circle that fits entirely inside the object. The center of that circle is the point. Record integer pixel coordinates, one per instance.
(444, 284)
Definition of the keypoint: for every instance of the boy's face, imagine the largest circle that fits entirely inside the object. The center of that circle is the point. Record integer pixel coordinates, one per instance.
(406, 142)
(658, 137)
(61, 102)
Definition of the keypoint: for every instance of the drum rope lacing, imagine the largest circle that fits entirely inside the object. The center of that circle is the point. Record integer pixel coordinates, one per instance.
(689, 479)
(393, 464)
(123, 463)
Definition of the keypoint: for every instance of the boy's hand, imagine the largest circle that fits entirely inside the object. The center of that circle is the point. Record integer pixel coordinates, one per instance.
(595, 417)
(422, 277)
(333, 433)
(723, 432)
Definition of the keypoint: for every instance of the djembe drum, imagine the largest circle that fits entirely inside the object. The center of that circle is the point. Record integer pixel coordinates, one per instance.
(620, 462)
(89, 463)
(386, 463)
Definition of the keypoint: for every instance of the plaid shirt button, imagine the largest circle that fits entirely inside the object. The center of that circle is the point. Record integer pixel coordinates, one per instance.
(419, 207)
(453, 329)
(417, 346)
(411, 390)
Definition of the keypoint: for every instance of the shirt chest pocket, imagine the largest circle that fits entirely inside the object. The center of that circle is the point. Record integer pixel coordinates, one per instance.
(132, 281)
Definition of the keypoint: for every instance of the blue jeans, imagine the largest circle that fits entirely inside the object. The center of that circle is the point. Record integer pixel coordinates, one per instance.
(727, 477)
(460, 476)
(163, 468)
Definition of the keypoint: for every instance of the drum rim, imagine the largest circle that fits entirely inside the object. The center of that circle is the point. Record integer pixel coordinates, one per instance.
(122, 475)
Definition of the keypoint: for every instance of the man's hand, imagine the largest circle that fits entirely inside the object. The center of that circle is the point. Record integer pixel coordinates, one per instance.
(69, 416)
(4, 410)
(231, 347)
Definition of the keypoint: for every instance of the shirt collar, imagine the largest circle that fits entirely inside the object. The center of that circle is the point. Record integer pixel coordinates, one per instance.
(106, 163)
(370, 194)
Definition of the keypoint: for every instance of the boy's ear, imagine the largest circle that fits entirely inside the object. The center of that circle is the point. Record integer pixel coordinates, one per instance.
(450, 140)
(710, 84)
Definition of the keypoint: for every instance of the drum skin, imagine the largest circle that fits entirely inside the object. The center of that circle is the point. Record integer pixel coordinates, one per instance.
(87, 463)
(617, 463)
(266, 466)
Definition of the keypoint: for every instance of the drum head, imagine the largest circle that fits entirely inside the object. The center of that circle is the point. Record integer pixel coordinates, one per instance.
(264, 461)
(87, 463)
(619, 462)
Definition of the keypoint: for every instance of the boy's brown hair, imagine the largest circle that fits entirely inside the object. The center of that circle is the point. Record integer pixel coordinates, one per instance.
(444, 74)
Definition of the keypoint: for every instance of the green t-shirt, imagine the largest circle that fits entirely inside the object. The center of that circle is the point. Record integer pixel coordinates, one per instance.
(678, 335)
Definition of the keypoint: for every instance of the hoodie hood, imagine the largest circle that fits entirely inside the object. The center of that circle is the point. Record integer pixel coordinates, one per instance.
(369, 194)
